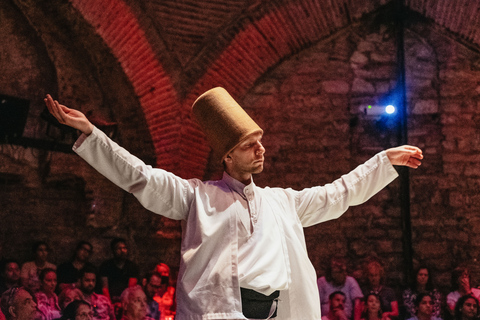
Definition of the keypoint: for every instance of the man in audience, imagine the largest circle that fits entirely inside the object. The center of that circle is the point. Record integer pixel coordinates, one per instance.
(134, 304)
(69, 272)
(152, 283)
(118, 273)
(10, 275)
(102, 308)
(336, 310)
(18, 304)
(336, 279)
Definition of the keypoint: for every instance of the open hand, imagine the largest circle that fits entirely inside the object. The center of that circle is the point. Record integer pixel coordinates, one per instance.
(67, 116)
(409, 156)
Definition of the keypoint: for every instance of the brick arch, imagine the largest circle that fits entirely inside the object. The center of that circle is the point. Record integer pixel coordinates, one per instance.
(279, 30)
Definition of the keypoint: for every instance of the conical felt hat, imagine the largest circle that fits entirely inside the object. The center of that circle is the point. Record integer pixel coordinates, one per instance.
(223, 121)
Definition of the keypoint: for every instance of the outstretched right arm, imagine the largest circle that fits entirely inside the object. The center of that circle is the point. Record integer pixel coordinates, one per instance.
(69, 117)
(157, 190)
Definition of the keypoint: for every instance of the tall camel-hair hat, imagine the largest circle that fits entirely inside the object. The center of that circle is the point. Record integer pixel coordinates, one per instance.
(223, 121)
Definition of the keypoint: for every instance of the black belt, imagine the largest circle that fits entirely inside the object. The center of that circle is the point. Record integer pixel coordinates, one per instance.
(256, 305)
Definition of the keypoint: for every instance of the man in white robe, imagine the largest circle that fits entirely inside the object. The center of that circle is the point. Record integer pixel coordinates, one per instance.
(242, 245)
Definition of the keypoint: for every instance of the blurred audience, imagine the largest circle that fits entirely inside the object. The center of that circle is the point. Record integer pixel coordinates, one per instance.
(375, 282)
(102, 308)
(336, 309)
(47, 300)
(68, 294)
(422, 283)
(336, 279)
(134, 304)
(423, 307)
(461, 286)
(69, 272)
(77, 310)
(31, 270)
(118, 273)
(10, 275)
(152, 283)
(372, 307)
(17, 303)
(165, 297)
(467, 308)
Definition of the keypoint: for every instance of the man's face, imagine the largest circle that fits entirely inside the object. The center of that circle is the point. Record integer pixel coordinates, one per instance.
(422, 277)
(42, 252)
(136, 307)
(23, 306)
(425, 307)
(83, 253)
(337, 303)
(153, 286)
(12, 272)
(247, 158)
(121, 251)
(374, 276)
(339, 272)
(88, 282)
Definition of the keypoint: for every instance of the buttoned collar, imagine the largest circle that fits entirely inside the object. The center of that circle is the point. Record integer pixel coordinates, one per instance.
(238, 186)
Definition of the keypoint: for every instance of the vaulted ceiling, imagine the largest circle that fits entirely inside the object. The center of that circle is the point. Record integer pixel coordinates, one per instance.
(173, 50)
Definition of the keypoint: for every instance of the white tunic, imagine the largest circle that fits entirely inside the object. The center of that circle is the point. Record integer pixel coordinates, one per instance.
(208, 283)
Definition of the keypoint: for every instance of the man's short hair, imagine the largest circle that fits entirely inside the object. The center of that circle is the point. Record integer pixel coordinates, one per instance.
(333, 294)
(81, 244)
(150, 274)
(44, 272)
(116, 241)
(37, 244)
(87, 269)
(7, 299)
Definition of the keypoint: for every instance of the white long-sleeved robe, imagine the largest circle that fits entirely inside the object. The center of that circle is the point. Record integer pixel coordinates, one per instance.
(208, 286)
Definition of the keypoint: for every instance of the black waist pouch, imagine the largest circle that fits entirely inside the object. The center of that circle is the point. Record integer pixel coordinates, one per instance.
(256, 305)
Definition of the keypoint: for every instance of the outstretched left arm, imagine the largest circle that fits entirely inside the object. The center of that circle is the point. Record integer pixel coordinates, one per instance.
(409, 156)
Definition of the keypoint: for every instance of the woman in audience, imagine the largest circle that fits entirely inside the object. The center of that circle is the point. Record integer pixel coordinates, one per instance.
(467, 308)
(372, 307)
(47, 300)
(422, 283)
(69, 293)
(461, 285)
(31, 270)
(375, 276)
(77, 310)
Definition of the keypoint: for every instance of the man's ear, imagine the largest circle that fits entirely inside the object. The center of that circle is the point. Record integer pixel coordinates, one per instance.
(11, 310)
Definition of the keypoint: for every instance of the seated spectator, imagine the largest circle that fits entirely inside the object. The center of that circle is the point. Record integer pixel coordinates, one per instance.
(336, 279)
(31, 270)
(18, 304)
(134, 304)
(375, 282)
(102, 308)
(152, 283)
(422, 283)
(118, 273)
(372, 307)
(461, 286)
(68, 294)
(69, 272)
(165, 297)
(423, 308)
(467, 308)
(77, 310)
(10, 275)
(336, 310)
(47, 300)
